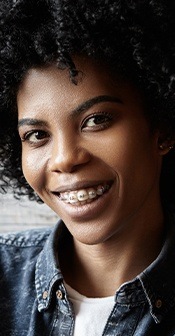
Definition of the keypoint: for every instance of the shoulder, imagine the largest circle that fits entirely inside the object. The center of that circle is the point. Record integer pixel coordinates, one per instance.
(27, 238)
(19, 252)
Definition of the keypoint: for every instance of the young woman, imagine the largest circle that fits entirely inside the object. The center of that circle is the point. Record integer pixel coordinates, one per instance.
(87, 126)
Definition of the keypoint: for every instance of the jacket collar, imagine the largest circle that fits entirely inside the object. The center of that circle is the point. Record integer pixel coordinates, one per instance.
(47, 272)
(158, 280)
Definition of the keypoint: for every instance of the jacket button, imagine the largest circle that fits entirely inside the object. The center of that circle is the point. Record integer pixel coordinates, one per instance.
(158, 303)
(59, 294)
(45, 295)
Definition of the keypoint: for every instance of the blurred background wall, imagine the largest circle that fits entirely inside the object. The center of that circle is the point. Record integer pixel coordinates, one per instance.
(20, 215)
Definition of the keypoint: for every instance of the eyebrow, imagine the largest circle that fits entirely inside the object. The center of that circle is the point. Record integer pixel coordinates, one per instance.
(75, 112)
(31, 122)
(93, 101)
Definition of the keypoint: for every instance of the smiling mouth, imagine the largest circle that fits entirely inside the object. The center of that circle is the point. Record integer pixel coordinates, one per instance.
(84, 195)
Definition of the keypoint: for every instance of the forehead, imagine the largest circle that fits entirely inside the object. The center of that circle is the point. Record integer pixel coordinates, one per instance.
(50, 87)
(90, 75)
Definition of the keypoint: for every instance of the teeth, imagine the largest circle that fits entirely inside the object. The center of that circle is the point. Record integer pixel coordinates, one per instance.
(100, 190)
(72, 197)
(92, 193)
(83, 195)
(66, 197)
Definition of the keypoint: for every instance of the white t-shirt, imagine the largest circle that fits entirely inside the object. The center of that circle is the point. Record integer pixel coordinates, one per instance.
(91, 314)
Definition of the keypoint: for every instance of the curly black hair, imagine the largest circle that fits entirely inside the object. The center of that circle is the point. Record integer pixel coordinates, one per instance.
(133, 38)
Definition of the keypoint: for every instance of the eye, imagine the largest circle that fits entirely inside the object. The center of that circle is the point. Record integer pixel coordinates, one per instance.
(98, 121)
(35, 137)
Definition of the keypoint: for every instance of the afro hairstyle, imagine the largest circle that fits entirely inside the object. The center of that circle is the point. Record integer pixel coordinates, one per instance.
(130, 37)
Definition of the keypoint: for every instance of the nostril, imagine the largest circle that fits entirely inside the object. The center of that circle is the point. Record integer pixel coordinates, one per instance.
(68, 158)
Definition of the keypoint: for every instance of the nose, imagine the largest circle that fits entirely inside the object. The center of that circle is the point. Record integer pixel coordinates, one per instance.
(68, 155)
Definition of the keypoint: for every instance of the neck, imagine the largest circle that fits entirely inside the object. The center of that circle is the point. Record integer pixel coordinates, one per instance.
(117, 260)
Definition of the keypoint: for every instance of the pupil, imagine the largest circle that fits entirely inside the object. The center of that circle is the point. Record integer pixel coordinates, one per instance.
(99, 120)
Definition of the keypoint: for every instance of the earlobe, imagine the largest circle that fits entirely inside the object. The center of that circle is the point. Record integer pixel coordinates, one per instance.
(165, 146)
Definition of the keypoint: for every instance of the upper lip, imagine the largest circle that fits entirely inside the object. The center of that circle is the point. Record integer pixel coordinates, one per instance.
(80, 185)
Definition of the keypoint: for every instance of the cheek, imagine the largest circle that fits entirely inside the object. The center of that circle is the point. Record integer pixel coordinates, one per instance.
(130, 152)
(33, 169)
(138, 172)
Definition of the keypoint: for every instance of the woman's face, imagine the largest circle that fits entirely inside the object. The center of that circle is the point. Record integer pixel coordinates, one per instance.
(87, 150)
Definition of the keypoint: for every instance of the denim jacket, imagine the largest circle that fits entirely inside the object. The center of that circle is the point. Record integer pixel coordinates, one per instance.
(34, 302)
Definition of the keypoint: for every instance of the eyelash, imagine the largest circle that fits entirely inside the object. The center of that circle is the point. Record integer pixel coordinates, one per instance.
(103, 120)
(100, 125)
(27, 135)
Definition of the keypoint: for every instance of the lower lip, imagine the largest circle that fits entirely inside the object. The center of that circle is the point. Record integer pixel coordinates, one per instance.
(90, 210)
